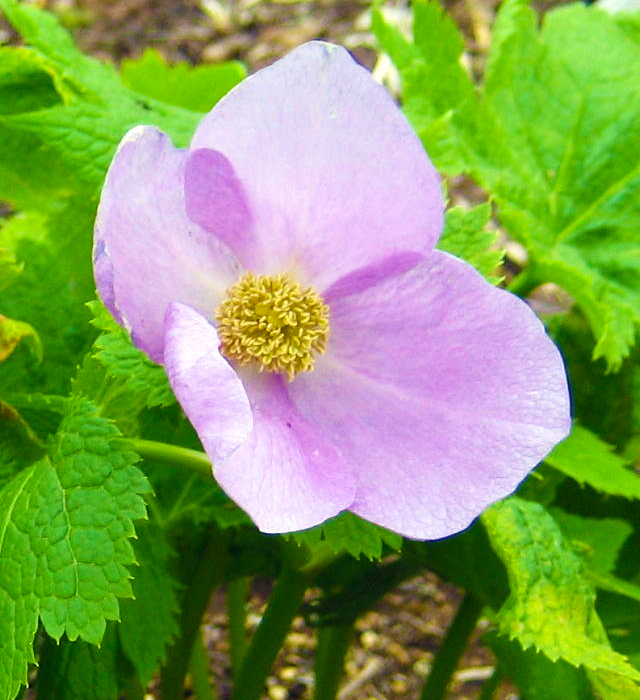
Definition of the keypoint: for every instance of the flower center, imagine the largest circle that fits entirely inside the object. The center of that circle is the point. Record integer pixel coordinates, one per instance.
(272, 320)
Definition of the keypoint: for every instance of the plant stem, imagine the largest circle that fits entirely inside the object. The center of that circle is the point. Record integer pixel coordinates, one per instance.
(452, 648)
(171, 454)
(237, 592)
(333, 644)
(284, 603)
(199, 668)
(490, 686)
(207, 575)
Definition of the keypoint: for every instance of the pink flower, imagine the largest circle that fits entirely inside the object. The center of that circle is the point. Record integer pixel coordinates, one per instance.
(397, 382)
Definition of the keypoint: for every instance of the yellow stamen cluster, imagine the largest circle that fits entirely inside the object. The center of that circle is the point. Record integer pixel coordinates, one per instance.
(273, 321)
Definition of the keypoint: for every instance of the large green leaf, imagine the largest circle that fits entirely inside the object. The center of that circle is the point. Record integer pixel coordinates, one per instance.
(56, 144)
(587, 459)
(549, 134)
(64, 540)
(149, 619)
(195, 88)
(551, 606)
(79, 670)
(465, 235)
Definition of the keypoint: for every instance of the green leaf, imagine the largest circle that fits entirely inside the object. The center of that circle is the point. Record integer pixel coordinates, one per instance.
(549, 136)
(46, 295)
(551, 604)
(19, 445)
(351, 534)
(614, 584)
(149, 619)
(400, 49)
(13, 332)
(621, 616)
(114, 350)
(537, 677)
(64, 540)
(83, 671)
(597, 540)
(466, 237)
(66, 144)
(43, 412)
(589, 460)
(581, 223)
(25, 83)
(611, 686)
(78, 670)
(9, 269)
(194, 88)
(437, 90)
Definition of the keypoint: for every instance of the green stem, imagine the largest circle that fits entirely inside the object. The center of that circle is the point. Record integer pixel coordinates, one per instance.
(452, 648)
(171, 454)
(207, 575)
(199, 668)
(333, 644)
(284, 603)
(237, 593)
(490, 686)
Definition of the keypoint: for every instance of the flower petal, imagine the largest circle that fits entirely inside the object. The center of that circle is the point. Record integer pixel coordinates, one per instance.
(216, 201)
(287, 475)
(147, 252)
(208, 389)
(441, 390)
(299, 136)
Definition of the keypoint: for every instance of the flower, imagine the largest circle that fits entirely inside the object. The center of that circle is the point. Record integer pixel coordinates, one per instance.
(282, 270)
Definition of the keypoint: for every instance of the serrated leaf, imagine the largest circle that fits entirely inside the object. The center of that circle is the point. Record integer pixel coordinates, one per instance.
(465, 236)
(597, 540)
(195, 88)
(537, 677)
(551, 606)
(589, 460)
(611, 686)
(400, 49)
(66, 146)
(549, 136)
(115, 351)
(585, 213)
(149, 620)
(64, 540)
(351, 534)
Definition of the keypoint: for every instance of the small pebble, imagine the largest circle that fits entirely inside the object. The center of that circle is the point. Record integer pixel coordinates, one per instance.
(278, 692)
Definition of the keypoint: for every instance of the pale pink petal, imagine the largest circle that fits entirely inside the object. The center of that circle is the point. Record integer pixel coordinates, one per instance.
(208, 389)
(442, 391)
(216, 201)
(334, 176)
(288, 475)
(147, 252)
